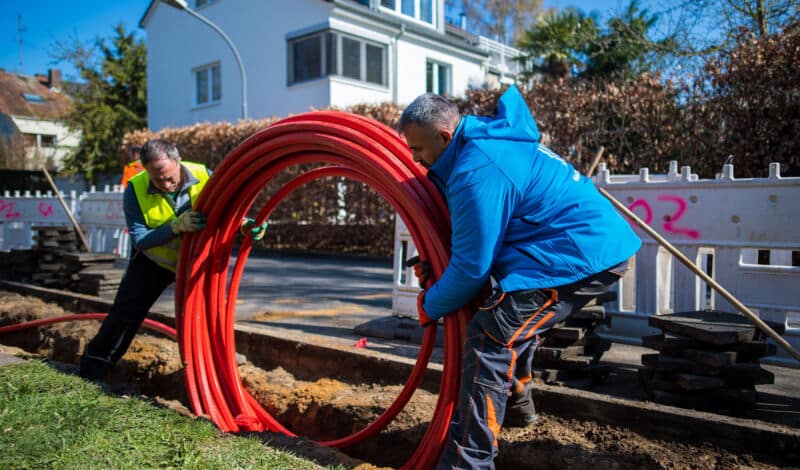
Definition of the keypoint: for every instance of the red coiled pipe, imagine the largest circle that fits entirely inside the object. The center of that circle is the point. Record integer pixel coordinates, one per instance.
(350, 146)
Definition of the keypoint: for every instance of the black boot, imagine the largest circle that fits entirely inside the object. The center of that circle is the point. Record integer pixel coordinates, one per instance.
(94, 368)
(520, 411)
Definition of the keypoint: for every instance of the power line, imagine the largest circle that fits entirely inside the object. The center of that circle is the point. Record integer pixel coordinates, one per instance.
(20, 30)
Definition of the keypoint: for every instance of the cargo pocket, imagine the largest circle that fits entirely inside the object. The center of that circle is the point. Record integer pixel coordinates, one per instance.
(503, 314)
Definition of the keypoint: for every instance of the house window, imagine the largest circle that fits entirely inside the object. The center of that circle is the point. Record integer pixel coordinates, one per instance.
(208, 84)
(437, 78)
(351, 58)
(30, 140)
(422, 10)
(39, 140)
(48, 141)
(307, 59)
(336, 54)
(426, 10)
(34, 98)
(331, 61)
(407, 7)
(375, 64)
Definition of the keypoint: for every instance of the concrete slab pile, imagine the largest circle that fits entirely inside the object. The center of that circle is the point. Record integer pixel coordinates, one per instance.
(706, 360)
(571, 351)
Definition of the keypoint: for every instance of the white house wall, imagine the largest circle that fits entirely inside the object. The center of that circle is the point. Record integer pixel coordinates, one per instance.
(413, 54)
(259, 36)
(66, 140)
(345, 91)
(412, 51)
(178, 43)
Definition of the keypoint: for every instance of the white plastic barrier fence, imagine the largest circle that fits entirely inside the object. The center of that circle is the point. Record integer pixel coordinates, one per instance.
(745, 233)
(99, 214)
(406, 287)
(21, 211)
(103, 219)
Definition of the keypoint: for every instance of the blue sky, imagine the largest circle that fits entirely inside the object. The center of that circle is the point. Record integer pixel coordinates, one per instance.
(49, 21)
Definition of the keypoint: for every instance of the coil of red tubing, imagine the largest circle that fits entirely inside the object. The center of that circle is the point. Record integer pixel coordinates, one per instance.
(349, 146)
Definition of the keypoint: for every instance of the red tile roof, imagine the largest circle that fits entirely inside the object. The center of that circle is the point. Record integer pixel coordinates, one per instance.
(13, 89)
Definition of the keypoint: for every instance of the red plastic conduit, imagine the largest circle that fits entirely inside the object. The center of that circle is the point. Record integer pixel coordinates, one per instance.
(349, 146)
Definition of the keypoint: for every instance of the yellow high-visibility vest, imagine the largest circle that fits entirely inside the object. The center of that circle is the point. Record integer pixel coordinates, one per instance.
(158, 211)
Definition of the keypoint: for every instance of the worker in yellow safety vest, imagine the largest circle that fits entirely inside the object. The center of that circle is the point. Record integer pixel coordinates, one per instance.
(158, 205)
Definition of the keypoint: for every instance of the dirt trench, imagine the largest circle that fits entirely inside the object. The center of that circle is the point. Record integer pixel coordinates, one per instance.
(329, 408)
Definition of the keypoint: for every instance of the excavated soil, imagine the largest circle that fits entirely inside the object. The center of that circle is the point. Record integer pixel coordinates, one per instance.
(327, 408)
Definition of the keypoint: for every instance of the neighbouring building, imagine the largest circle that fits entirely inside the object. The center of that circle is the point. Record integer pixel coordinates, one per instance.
(32, 129)
(306, 54)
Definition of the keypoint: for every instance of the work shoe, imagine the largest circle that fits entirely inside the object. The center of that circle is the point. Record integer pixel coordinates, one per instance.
(94, 368)
(520, 411)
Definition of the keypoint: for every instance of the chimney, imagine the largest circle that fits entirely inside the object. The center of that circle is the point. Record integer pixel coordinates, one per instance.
(463, 19)
(54, 78)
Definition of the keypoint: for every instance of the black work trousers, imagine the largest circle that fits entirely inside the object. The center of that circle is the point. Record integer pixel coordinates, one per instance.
(501, 340)
(142, 285)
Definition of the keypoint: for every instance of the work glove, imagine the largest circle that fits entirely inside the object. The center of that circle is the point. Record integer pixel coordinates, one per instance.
(422, 269)
(189, 221)
(249, 227)
(424, 319)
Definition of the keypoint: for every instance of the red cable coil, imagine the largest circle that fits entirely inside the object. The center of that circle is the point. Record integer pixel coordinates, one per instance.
(353, 147)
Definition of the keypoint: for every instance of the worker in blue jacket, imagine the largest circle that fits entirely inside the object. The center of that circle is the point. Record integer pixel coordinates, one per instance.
(524, 217)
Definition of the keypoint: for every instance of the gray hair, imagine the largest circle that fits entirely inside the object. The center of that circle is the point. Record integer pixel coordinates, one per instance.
(156, 149)
(430, 111)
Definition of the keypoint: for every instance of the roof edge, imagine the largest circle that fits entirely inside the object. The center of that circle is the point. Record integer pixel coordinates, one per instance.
(147, 14)
(410, 26)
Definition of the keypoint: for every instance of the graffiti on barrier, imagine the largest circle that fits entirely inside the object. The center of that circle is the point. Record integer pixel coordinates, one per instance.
(114, 210)
(670, 224)
(45, 209)
(7, 209)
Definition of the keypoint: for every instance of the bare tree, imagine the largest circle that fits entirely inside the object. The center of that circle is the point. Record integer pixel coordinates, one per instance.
(505, 20)
(711, 24)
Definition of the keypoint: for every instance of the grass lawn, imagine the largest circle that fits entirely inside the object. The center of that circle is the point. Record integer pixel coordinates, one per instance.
(49, 419)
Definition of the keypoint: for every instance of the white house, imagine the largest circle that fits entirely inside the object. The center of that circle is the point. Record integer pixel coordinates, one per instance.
(32, 128)
(305, 54)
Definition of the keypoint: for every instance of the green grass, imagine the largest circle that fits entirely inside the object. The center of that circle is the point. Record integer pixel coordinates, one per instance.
(49, 419)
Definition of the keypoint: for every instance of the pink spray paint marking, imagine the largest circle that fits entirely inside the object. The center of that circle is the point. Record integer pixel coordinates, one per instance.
(8, 207)
(45, 209)
(670, 220)
(114, 210)
(669, 224)
(647, 209)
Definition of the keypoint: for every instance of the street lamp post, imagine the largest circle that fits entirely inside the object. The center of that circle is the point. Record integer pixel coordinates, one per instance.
(182, 5)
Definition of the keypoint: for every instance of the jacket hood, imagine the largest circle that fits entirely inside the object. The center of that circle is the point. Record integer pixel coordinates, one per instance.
(513, 121)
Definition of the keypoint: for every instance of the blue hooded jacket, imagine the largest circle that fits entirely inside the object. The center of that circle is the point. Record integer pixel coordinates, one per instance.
(519, 212)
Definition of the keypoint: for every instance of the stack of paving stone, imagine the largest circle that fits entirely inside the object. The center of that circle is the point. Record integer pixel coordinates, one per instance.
(706, 360)
(51, 244)
(5, 264)
(94, 273)
(570, 352)
(18, 265)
